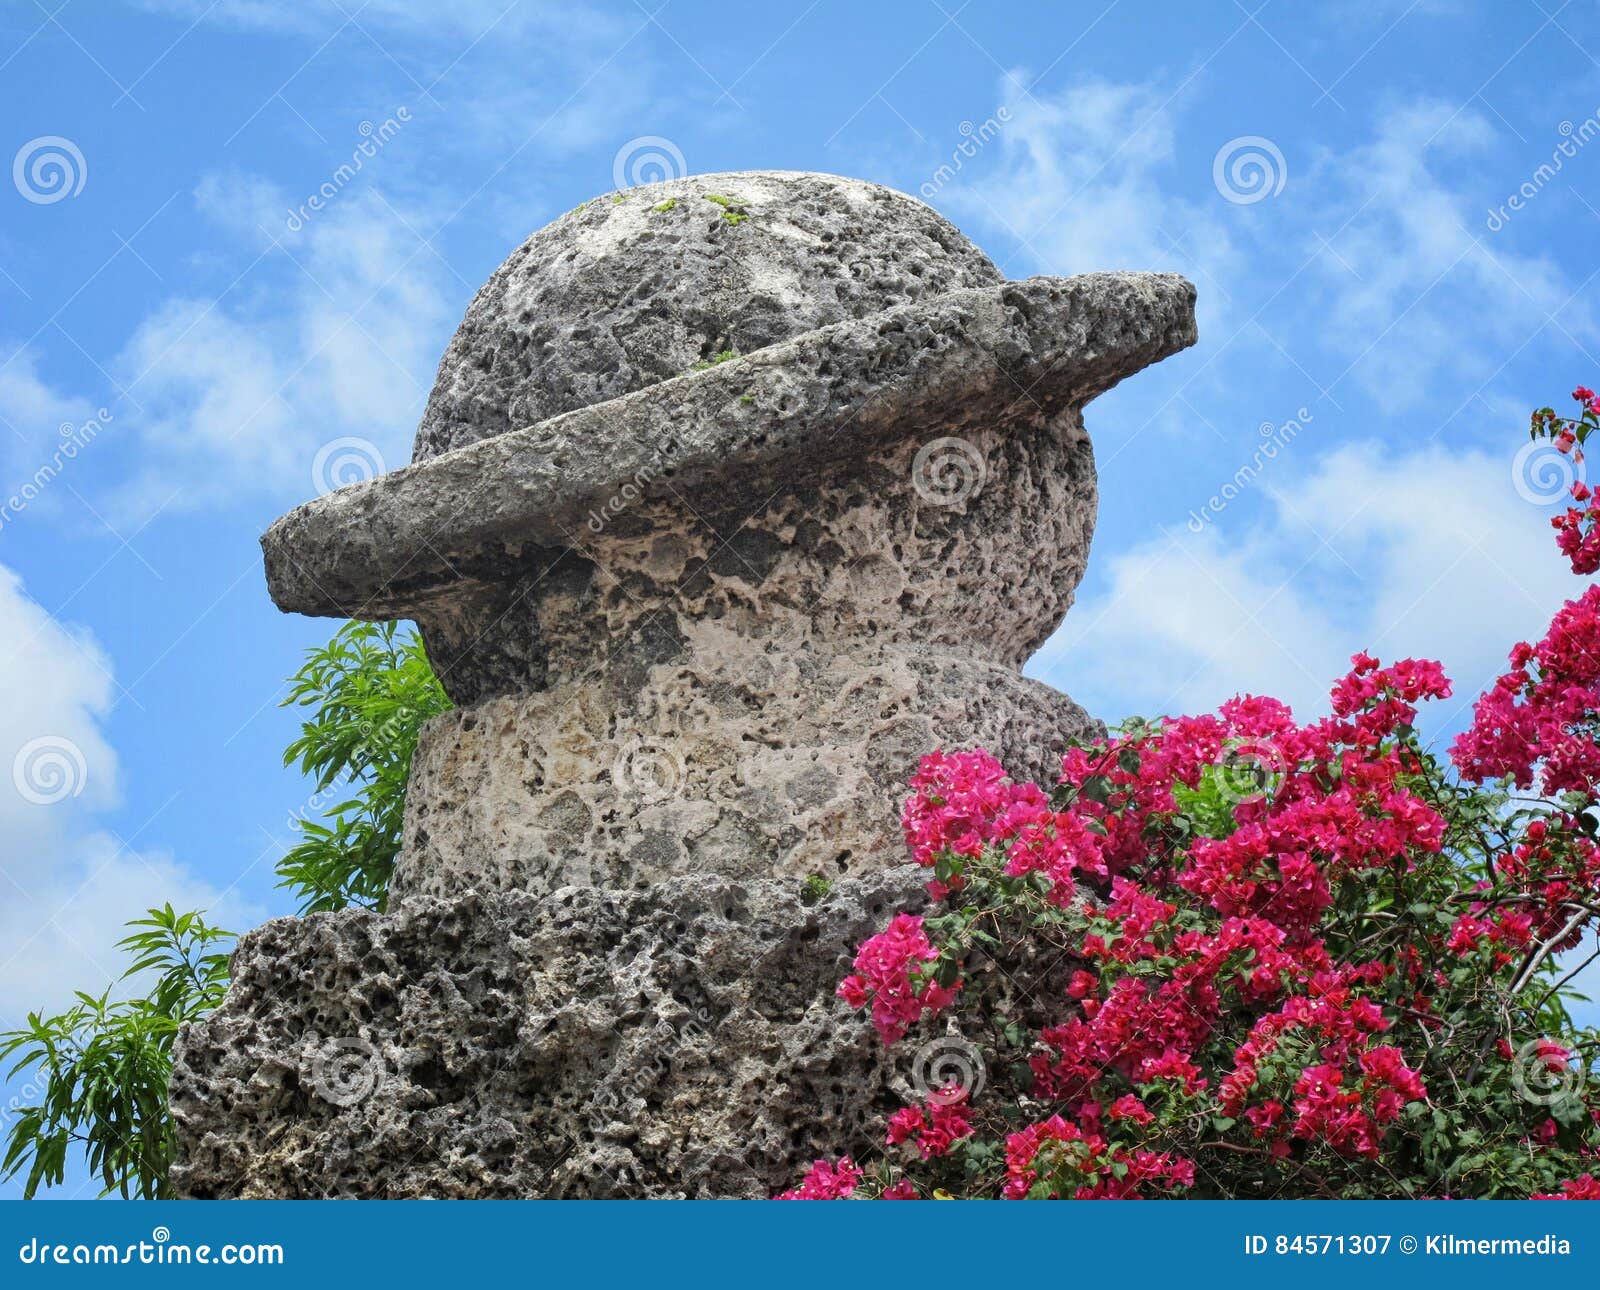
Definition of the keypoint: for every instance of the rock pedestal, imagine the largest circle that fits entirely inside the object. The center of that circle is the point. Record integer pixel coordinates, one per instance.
(735, 495)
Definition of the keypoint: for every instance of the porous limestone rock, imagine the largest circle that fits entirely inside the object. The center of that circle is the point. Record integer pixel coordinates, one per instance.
(795, 769)
(680, 1041)
(637, 287)
(734, 497)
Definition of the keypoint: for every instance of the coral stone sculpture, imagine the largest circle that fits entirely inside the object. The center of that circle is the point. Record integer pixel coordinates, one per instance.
(734, 496)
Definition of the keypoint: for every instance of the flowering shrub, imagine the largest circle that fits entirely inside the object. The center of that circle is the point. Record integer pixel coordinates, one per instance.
(1240, 956)
(1577, 533)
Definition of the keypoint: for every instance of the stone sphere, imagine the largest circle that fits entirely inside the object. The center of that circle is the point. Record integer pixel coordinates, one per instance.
(642, 285)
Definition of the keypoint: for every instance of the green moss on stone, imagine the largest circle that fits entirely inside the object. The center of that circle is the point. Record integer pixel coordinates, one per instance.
(723, 357)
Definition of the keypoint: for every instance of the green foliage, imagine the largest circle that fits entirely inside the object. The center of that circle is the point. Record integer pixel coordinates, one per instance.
(722, 356)
(371, 688)
(102, 1065)
(99, 1069)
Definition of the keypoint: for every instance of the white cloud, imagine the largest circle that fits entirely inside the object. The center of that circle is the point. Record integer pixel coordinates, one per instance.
(55, 683)
(1403, 553)
(1082, 179)
(1372, 266)
(1412, 288)
(36, 420)
(336, 341)
(66, 884)
(59, 935)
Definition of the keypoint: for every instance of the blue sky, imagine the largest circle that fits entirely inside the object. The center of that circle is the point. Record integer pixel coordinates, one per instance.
(1337, 180)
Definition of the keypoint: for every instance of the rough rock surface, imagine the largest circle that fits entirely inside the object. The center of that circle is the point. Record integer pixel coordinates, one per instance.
(673, 700)
(1019, 358)
(976, 548)
(682, 1041)
(636, 287)
(791, 768)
